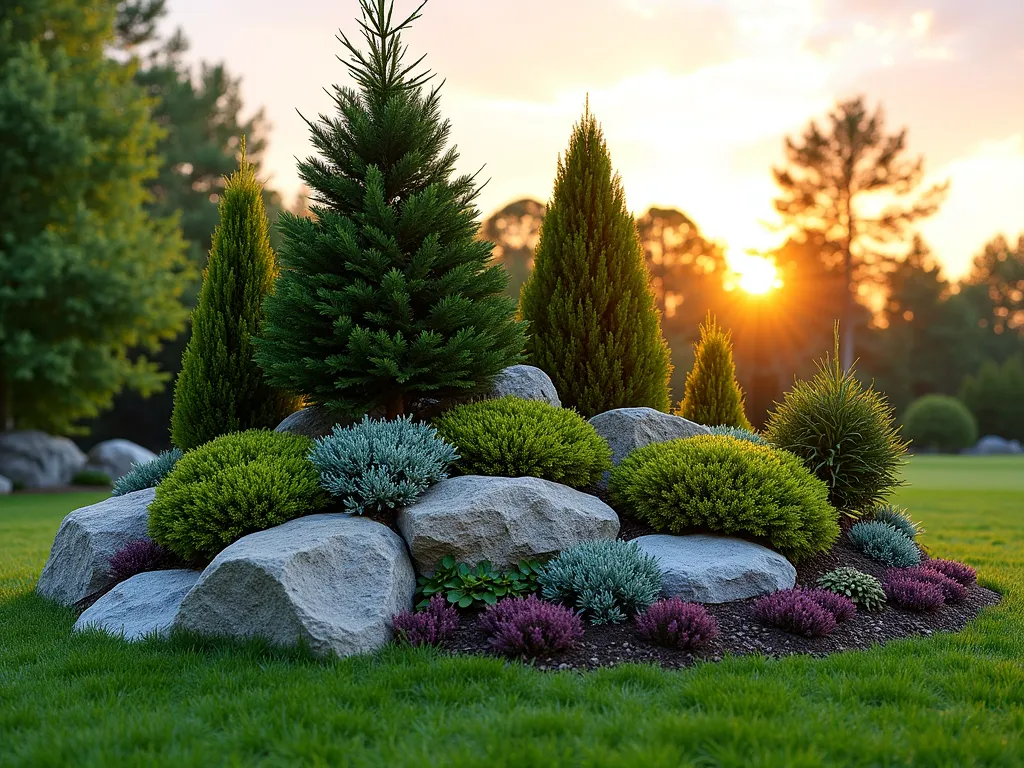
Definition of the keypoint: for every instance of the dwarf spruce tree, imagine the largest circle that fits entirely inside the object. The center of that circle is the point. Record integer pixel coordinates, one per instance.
(220, 388)
(385, 295)
(594, 327)
(712, 395)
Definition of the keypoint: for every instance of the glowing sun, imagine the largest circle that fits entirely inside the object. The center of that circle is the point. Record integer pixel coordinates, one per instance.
(756, 274)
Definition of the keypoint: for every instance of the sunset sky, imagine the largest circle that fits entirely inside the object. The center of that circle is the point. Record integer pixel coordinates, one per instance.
(695, 96)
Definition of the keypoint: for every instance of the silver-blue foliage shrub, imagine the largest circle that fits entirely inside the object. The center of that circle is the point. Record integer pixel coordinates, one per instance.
(739, 433)
(148, 474)
(885, 544)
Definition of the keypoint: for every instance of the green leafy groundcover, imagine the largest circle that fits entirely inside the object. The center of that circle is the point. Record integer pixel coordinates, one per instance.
(725, 485)
(946, 700)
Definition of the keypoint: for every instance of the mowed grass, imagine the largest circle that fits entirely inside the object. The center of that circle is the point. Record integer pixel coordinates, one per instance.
(950, 700)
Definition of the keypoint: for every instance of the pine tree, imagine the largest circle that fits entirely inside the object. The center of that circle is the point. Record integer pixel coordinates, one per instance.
(385, 293)
(220, 388)
(594, 327)
(712, 395)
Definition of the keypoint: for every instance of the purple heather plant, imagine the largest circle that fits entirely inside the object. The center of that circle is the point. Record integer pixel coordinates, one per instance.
(432, 626)
(528, 626)
(136, 557)
(912, 594)
(953, 592)
(675, 624)
(841, 607)
(960, 572)
(795, 611)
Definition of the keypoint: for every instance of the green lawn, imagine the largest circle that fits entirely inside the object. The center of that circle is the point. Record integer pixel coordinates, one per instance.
(952, 700)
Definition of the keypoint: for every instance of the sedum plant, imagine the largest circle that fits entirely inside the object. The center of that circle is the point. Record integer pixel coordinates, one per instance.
(898, 518)
(478, 585)
(605, 581)
(885, 544)
(376, 466)
(862, 588)
(147, 474)
(712, 395)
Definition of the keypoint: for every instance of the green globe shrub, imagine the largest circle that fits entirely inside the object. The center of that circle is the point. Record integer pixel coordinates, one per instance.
(230, 487)
(728, 486)
(939, 423)
(512, 437)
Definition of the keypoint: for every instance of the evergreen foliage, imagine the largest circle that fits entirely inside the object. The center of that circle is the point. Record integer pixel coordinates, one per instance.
(148, 474)
(85, 274)
(712, 395)
(898, 518)
(939, 423)
(220, 388)
(385, 294)
(594, 326)
(995, 396)
(885, 544)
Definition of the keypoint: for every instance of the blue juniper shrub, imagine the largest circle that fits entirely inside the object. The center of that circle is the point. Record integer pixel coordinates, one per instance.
(898, 518)
(739, 433)
(885, 544)
(147, 474)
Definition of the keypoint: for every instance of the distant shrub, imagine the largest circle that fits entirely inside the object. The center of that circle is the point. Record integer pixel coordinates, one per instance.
(478, 585)
(843, 433)
(957, 571)
(137, 557)
(512, 437)
(727, 486)
(527, 626)
(862, 588)
(939, 423)
(433, 626)
(91, 477)
(675, 624)
(381, 465)
(953, 592)
(885, 544)
(913, 594)
(898, 518)
(234, 485)
(739, 433)
(796, 612)
(604, 580)
(148, 474)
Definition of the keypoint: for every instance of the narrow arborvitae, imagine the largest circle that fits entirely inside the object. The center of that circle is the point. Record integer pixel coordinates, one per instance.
(220, 388)
(594, 327)
(712, 395)
(386, 296)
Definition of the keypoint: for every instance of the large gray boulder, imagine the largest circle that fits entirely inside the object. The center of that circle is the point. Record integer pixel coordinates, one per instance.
(115, 457)
(717, 569)
(527, 382)
(6, 486)
(38, 460)
(313, 421)
(143, 605)
(79, 562)
(993, 445)
(627, 429)
(501, 519)
(330, 581)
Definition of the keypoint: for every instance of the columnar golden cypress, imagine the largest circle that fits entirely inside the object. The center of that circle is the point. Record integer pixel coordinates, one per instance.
(220, 388)
(594, 327)
(712, 395)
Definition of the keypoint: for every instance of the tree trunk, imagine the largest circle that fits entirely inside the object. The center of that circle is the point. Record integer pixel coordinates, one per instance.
(395, 406)
(848, 312)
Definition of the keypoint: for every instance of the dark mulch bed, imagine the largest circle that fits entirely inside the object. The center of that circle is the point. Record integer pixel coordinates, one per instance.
(740, 633)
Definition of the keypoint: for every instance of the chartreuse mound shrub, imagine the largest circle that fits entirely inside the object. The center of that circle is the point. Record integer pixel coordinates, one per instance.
(939, 423)
(862, 588)
(381, 465)
(728, 486)
(234, 485)
(844, 433)
(712, 395)
(885, 544)
(148, 474)
(512, 437)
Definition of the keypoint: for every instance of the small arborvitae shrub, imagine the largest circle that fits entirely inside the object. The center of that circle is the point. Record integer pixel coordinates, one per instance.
(914, 594)
(939, 423)
(148, 474)
(885, 544)
(381, 465)
(674, 624)
(529, 627)
(795, 611)
(605, 581)
(957, 571)
(137, 557)
(727, 486)
(862, 588)
(841, 607)
(953, 592)
(712, 394)
(432, 626)
(91, 477)
(478, 585)
(512, 437)
(898, 518)
(739, 433)
(233, 486)
(843, 433)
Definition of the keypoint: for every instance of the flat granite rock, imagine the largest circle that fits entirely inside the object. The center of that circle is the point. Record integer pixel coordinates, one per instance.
(143, 605)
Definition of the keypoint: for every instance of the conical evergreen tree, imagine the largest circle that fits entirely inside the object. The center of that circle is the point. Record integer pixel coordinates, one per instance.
(594, 327)
(385, 294)
(220, 388)
(712, 395)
